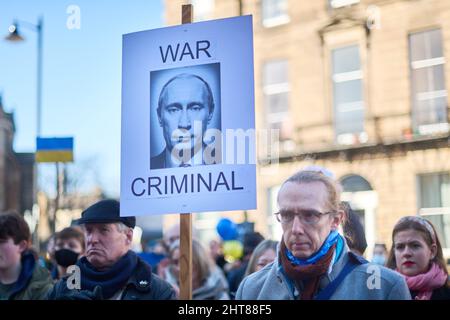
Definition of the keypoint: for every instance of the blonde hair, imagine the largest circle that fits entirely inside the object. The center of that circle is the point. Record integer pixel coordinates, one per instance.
(262, 247)
(333, 187)
(201, 260)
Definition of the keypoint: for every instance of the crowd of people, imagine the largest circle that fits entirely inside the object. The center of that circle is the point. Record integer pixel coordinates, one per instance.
(320, 256)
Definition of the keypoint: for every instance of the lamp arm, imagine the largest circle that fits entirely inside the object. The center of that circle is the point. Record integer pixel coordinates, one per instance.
(28, 25)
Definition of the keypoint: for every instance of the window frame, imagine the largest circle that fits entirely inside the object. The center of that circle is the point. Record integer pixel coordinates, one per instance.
(432, 211)
(347, 138)
(277, 20)
(272, 118)
(416, 97)
(336, 4)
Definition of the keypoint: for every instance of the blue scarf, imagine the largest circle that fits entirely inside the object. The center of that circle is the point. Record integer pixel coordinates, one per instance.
(332, 238)
(110, 280)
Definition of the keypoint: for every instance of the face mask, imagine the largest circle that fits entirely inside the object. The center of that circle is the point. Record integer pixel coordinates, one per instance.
(379, 259)
(66, 257)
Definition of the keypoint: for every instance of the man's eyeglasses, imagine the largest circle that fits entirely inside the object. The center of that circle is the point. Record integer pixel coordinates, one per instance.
(308, 217)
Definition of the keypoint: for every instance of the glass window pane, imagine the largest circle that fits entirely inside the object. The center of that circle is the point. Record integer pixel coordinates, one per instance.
(349, 122)
(429, 94)
(348, 91)
(426, 45)
(434, 190)
(275, 72)
(355, 183)
(420, 80)
(277, 102)
(417, 46)
(428, 79)
(438, 77)
(430, 111)
(445, 235)
(445, 190)
(440, 110)
(442, 225)
(276, 125)
(274, 8)
(435, 193)
(422, 113)
(429, 191)
(434, 40)
(276, 92)
(346, 59)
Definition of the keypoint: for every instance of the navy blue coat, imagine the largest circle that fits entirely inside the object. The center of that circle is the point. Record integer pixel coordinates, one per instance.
(142, 285)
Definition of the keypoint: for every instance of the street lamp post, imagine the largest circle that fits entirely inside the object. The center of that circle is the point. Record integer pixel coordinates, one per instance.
(15, 36)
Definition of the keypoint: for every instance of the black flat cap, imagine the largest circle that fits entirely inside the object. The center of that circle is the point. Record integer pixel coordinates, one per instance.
(105, 211)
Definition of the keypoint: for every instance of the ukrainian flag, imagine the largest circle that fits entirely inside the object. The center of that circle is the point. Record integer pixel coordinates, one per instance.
(54, 150)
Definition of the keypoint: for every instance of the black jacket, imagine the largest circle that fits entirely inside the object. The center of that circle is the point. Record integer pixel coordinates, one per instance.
(142, 285)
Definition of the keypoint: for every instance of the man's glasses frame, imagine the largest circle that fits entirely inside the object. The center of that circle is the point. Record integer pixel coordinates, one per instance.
(309, 217)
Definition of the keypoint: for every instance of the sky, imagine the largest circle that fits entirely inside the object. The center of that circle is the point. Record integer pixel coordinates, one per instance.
(81, 81)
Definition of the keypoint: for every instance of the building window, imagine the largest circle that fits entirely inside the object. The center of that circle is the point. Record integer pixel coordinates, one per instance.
(276, 94)
(274, 12)
(355, 183)
(203, 9)
(435, 203)
(429, 96)
(341, 3)
(348, 95)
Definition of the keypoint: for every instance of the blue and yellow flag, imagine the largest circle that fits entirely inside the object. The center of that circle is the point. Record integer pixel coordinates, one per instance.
(54, 149)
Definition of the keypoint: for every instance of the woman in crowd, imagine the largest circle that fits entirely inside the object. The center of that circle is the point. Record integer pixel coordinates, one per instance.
(264, 253)
(208, 280)
(416, 253)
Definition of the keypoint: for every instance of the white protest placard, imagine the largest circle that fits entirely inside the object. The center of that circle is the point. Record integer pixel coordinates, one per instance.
(188, 123)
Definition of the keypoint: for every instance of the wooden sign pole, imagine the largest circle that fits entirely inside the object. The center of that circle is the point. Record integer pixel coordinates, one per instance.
(186, 218)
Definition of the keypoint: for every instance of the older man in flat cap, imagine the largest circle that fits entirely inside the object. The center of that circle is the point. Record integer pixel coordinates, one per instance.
(110, 270)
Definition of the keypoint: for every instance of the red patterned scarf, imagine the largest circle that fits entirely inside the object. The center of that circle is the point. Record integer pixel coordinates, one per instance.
(309, 274)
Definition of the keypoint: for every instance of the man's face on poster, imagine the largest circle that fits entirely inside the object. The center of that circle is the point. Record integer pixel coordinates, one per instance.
(185, 102)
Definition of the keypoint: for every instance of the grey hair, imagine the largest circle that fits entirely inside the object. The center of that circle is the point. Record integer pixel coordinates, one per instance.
(121, 227)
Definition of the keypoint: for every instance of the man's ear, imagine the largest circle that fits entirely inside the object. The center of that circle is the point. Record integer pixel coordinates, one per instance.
(23, 245)
(129, 235)
(337, 219)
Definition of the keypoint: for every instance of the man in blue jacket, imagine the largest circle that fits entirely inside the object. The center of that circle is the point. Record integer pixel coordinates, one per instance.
(313, 260)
